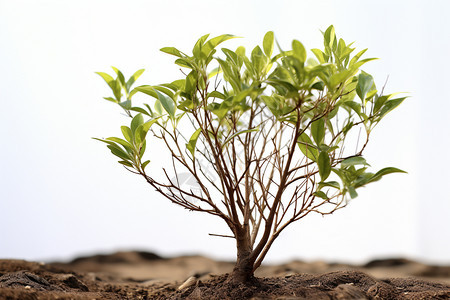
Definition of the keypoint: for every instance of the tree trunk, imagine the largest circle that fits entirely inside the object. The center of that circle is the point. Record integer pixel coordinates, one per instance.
(243, 269)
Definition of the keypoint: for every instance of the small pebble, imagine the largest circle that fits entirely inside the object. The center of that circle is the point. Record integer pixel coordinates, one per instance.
(189, 282)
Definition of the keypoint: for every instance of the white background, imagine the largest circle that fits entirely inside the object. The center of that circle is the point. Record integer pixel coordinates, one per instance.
(62, 194)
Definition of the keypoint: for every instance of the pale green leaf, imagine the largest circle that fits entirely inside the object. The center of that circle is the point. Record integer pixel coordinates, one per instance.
(354, 160)
(352, 192)
(136, 122)
(324, 165)
(167, 103)
(365, 82)
(318, 130)
(390, 105)
(329, 36)
(389, 170)
(144, 164)
(128, 135)
(108, 79)
(119, 152)
(133, 78)
(147, 89)
(321, 194)
(268, 43)
(333, 184)
(193, 141)
(214, 42)
(126, 163)
(306, 146)
(122, 142)
(119, 76)
(238, 133)
(299, 51)
(172, 51)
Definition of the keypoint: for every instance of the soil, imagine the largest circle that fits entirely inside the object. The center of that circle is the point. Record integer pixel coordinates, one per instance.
(142, 275)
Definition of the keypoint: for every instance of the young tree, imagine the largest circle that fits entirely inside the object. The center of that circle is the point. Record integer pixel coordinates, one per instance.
(267, 138)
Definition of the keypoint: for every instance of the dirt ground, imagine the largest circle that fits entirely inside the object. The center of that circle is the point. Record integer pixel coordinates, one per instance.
(143, 275)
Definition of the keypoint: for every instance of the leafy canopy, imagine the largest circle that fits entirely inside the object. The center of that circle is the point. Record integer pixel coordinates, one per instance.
(268, 136)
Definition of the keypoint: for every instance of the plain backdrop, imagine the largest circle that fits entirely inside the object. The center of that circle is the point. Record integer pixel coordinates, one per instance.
(62, 194)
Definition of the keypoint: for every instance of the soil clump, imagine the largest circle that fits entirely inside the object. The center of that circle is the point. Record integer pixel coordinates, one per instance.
(110, 277)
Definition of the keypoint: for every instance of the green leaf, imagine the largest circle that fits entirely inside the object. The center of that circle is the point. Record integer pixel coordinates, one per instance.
(357, 56)
(175, 85)
(191, 83)
(365, 82)
(111, 99)
(220, 110)
(327, 148)
(108, 79)
(147, 89)
(136, 122)
(128, 135)
(119, 152)
(133, 78)
(126, 163)
(338, 78)
(318, 130)
(131, 94)
(117, 88)
(158, 108)
(232, 57)
(379, 102)
(352, 161)
(104, 141)
(321, 194)
(212, 43)
(139, 135)
(122, 142)
(238, 133)
(193, 141)
(333, 184)
(363, 179)
(147, 125)
(185, 63)
(172, 51)
(324, 165)
(356, 66)
(385, 171)
(216, 94)
(167, 103)
(140, 110)
(214, 72)
(258, 60)
(268, 43)
(329, 36)
(125, 104)
(353, 105)
(306, 146)
(164, 90)
(390, 105)
(119, 76)
(319, 85)
(352, 192)
(322, 57)
(299, 51)
(142, 149)
(144, 164)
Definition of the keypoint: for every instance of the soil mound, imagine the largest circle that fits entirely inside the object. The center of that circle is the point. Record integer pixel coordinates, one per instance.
(118, 257)
(103, 277)
(335, 285)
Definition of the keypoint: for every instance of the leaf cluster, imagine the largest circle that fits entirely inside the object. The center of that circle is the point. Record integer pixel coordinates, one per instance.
(267, 123)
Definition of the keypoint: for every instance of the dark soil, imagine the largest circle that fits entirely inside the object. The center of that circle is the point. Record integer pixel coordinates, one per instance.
(28, 280)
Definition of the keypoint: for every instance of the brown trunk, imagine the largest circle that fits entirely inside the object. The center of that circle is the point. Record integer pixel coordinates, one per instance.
(243, 269)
